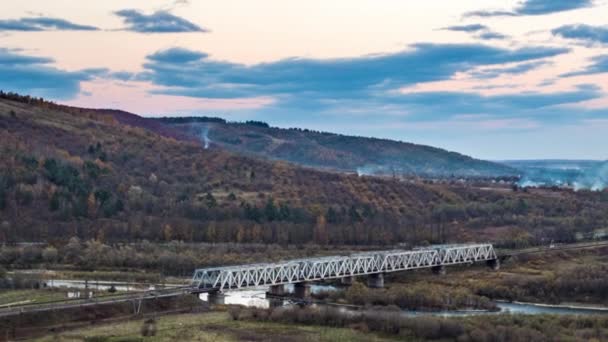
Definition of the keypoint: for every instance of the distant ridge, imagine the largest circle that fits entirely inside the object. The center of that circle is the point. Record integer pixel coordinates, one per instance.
(367, 156)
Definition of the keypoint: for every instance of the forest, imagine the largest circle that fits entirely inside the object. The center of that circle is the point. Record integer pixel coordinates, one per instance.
(68, 173)
(364, 155)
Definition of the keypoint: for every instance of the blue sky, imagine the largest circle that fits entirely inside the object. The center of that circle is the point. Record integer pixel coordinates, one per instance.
(493, 79)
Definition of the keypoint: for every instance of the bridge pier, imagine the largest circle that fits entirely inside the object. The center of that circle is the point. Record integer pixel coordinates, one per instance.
(494, 264)
(216, 298)
(347, 281)
(301, 290)
(439, 270)
(375, 281)
(276, 290)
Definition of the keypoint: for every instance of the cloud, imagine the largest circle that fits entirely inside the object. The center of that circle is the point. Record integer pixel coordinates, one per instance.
(33, 75)
(375, 90)
(177, 55)
(42, 24)
(480, 31)
(599, 65)
(488, 35)
(583, 32)
(191, 73)
(518, 69)
(534, 7)
(467, 28)
(157, 22)
(446, 104)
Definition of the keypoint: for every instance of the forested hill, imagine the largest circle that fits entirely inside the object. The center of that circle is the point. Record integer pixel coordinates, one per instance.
(334, 151)
(74, 172)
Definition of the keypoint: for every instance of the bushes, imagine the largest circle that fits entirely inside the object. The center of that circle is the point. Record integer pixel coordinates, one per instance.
(416, 297)
(148, 329)
(392, 323)
(471, 328)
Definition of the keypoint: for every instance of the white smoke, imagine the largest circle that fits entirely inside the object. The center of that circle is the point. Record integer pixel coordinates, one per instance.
(204, 136)
(587, 177)
(595, 179)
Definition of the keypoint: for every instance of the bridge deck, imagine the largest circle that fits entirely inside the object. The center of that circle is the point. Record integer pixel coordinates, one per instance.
(314, 269)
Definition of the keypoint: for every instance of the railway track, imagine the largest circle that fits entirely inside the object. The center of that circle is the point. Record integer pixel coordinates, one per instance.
(101, 300)
(554, 248)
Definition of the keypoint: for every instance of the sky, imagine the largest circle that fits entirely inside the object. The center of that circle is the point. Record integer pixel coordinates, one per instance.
(522, 79)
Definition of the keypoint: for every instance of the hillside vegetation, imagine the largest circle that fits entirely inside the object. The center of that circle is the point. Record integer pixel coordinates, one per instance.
(68, 172)
(334, 151)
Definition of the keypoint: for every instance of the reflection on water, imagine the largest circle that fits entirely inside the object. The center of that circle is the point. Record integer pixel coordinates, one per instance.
(535, 309)
(256, 297)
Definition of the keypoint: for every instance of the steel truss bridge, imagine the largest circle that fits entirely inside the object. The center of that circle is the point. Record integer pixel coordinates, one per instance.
(333, 267)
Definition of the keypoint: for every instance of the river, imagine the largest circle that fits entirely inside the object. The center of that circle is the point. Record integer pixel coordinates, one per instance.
(257, 298)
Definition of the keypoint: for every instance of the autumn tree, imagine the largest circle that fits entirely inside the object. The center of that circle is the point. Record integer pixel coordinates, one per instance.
(320, 234)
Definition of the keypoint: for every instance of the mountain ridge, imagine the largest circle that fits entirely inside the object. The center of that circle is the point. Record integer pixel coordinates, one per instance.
(363, 155)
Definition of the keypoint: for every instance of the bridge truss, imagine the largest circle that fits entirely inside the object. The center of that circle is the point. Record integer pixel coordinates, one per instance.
(314, 269)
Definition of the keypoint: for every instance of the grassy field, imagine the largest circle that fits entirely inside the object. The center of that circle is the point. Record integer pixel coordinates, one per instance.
(8, 297)
(212, 326)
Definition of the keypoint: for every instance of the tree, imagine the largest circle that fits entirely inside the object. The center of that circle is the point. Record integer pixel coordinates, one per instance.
(256, 233)
(210, 200)
(211, 232)
(320, 234)
(54, 203)
(50, 254)
(91, 206)
(167, 232)
(240, 233)
(72, 252)
(357, 293)
(270, 211)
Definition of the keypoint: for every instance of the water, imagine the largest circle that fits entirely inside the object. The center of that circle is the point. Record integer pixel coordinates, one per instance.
(535, 309)
(257, 298)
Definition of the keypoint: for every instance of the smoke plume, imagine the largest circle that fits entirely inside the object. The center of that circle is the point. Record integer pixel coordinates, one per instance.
(583, 175)
(204, 136)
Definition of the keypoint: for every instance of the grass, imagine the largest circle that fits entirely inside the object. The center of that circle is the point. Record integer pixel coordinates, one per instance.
(30, 296)
(212, 326)
(61, 271)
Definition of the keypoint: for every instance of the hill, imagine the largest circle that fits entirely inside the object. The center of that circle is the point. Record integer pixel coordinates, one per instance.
(365, 156)
(75, 172)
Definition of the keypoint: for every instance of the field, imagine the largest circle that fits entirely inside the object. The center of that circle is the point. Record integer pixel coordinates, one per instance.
(213, 326)
(15, 297)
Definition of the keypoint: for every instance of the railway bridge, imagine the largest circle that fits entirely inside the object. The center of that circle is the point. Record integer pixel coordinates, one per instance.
(301, 272)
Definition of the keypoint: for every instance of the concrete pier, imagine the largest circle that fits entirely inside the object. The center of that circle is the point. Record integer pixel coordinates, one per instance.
(301, 290)
(347, 281)
(439, 270)
(277, 290)
(216, 298)
(375, 281)
(493, 264)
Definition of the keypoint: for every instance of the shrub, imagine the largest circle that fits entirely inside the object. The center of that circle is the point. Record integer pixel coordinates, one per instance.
(148, 329)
